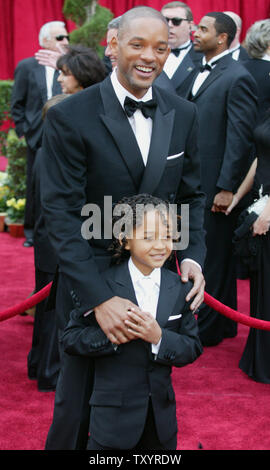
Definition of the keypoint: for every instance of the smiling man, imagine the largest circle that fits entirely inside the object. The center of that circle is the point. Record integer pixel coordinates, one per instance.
(117, 138)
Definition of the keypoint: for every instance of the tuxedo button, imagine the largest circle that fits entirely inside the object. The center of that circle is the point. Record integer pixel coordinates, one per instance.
(171, 197)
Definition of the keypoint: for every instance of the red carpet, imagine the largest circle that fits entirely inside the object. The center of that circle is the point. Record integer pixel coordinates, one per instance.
(219, 407)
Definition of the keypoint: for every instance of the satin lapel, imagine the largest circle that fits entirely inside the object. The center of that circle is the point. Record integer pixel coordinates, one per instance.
(122, 285)
(169, 292)
(40, 77)
(118, 125)
(56, 88)
(216, 72)
(183, 71)
(159, 148)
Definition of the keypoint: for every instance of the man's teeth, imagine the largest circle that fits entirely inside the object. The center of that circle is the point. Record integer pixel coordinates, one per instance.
(144, 69)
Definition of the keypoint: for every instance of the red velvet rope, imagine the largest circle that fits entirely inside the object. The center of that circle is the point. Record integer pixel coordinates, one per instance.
(230, 313)
(26, 304)
(210, 301)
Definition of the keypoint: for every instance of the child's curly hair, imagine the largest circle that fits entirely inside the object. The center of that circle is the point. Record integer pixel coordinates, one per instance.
(131, 210)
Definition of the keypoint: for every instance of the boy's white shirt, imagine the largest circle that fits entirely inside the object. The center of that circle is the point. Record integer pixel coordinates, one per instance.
(147, 292)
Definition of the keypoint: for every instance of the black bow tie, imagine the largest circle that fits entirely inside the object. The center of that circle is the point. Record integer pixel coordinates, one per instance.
(177, 50)
(148, 108)
(205, 67)
(208, 67)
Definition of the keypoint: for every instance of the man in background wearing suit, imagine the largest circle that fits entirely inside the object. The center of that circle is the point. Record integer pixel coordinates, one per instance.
(98, 144)
(183, 59)
(34, 84)
(226, 98)
(238, 52)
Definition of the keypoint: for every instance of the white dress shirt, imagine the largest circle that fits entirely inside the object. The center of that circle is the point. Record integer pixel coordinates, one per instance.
(235, 52)
(141, 126)
(172, 63)
(147, 292)
(202, 76)
(49, 71)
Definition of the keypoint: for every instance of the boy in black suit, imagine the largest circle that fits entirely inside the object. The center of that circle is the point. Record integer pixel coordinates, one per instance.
(133, 402)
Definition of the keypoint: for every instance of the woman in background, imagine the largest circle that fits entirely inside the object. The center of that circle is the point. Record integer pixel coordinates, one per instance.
(255, 359)
(257, 43)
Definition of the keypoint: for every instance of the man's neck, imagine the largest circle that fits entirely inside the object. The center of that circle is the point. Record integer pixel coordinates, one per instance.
(210, 55)
(184, 44)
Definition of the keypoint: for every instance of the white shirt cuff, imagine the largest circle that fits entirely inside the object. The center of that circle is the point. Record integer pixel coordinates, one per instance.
(192, 261)
(155, 347)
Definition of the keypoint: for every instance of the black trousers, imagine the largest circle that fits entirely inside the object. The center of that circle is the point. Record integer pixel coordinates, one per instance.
(43, 358)
(69, 428)
(148, 441)
(29, 204)
(220, 276)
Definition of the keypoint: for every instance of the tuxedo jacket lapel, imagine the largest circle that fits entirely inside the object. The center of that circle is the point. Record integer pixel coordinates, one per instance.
(168, 295)
(119, 127)
(56, 88)
(122, 285)
(159, 147)
(215, 73)
(183, 71)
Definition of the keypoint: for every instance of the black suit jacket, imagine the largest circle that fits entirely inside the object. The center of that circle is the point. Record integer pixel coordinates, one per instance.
(125, 378)
(227, 108)
(243, 54)
(184, 74)
(29, 95)
(260, 70)
(45, 258)
(91, 152)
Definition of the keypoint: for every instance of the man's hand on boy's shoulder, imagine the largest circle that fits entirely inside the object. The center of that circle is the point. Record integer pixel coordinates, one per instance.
(191, 271)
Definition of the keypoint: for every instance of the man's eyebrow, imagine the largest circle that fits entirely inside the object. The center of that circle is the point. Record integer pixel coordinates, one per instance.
(139, 38)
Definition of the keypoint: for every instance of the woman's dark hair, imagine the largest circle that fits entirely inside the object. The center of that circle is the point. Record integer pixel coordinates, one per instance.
(83, 63)
(224, 24)
(130, 214)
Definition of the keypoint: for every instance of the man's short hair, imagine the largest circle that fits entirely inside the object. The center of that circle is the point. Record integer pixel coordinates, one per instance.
(114, 23)
(224, 24)
(83, 63)
(139, 12)
(45, 30)
(189, 13)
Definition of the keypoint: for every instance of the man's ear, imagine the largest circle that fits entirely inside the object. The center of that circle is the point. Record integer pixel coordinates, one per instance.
(223, 38)
(114, 45)
(123, 241)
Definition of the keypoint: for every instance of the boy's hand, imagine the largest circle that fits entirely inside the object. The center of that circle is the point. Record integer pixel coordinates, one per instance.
(144, 326)
(110, 316)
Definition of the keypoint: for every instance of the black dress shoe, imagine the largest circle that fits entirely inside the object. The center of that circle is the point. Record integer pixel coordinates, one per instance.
(28, 242)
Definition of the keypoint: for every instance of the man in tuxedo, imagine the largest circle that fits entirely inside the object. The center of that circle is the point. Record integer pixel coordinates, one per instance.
(226, 98)
(34, 84)
(98, 144)
(238, 52)
(183, 59)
